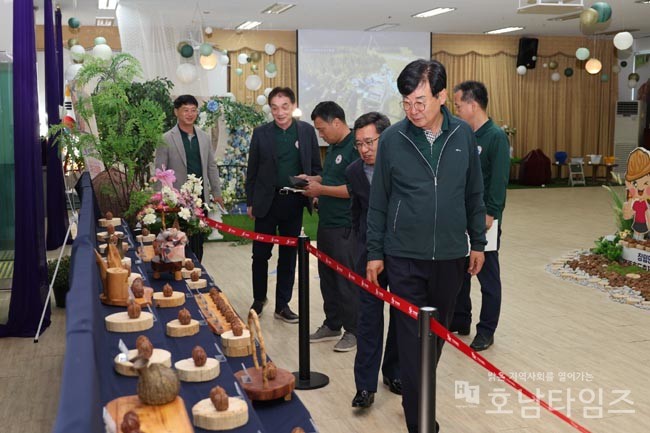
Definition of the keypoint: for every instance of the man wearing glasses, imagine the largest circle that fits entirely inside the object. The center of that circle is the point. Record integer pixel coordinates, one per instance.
(188, 151)
(426, 213)
(370, 328)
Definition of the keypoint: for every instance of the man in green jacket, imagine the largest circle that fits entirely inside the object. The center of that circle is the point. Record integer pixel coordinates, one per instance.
(470, 100)
(426, 212)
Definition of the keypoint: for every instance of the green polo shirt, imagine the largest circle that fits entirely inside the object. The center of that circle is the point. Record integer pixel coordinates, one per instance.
(334, 212)
(494, 149)
(430, 152)
(287, 153)
(192, 154)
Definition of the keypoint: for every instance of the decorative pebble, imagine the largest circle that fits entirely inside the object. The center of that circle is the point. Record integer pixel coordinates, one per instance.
(633, 276)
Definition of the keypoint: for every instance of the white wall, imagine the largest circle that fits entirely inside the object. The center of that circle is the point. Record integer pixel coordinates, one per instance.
(6, 25)
(624, 92)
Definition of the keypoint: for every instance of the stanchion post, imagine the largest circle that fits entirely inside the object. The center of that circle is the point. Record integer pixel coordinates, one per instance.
(428, 361)
(305, 379)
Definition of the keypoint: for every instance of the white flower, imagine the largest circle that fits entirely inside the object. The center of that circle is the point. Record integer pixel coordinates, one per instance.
(198, 202)
(185, 213)
(169, 196)
(149, 211)
(149, 219)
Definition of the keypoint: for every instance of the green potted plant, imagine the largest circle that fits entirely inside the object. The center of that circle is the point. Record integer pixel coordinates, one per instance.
(61, 283)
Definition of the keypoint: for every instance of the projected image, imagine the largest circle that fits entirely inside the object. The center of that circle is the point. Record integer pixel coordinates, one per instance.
(357, 70)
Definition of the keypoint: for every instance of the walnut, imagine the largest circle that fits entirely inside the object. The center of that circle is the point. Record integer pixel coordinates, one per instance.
(109, 215)
(144, 347)
(112, 239)
(110, 229)
(229, 315)
(199, 356)
(145, 232)
(137, 287)
(130, 423)
(189, 264)
(167, 291)
(133, 310)
(213, 291)
(196, 274)
(237, 329)
(271, 371)
(184, 316)
(221, 304)
(219, 398)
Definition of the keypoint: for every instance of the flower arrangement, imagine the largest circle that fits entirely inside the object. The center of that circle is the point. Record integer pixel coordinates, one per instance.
(169, 204)
(509, 130)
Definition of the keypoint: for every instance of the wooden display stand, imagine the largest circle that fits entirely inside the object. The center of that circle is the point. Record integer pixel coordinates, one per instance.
(173, 267)
(213, 316)
(175, 300)
(260, 387)
(207, 417)
(236, 346)
(167, 418)
(103, 222)
(175, 329)
(188, 372)
(125, 368)
(200, 284)
(121, 322)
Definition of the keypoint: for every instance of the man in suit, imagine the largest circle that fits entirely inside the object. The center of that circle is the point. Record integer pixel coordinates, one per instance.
(370, 328)
(188, 151)
(279, 150)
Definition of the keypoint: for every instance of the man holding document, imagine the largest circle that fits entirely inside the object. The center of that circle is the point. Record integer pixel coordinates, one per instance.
(470, 102)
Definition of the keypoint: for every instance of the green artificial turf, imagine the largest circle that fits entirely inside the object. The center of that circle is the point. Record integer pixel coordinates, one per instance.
(309, 222)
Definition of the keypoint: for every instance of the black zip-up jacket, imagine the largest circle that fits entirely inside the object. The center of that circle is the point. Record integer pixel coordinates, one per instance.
(423, 212)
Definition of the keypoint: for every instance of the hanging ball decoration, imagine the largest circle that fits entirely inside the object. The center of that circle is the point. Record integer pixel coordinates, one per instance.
(253, 82)
(270, 74)
(534, 58)
(254, 68)
(99, 40)
(208, 31)
(256, 56)
(616, 69)
(266, 108)
(623, 40)
(568, 72)
(74, 23)
(545, 65)
(555, 76)
(521, 70)
(267, 91)
(582, 53)
(239, 71)
(604, 11)
(230, 96)
(261, 100)
(632, 84)
(186, 73)
(623, 64)
(604, 78)
(72, 71)
(588, 17)
(271, 67)
(72, 42)
(242, 58)
(224, 59)
(77, 52)
(634, 76)
(102, 51)
(180, 45)
(552, 64)
(269, 49)
(208, 62)
(205, 49)
(593, 66)
(187, 51)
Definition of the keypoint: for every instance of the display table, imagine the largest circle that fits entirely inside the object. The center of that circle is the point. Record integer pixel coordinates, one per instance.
(594, 171)
(89, 379)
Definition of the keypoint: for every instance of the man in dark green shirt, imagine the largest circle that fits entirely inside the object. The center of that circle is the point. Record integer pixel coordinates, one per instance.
(335, 236)
(470, 101)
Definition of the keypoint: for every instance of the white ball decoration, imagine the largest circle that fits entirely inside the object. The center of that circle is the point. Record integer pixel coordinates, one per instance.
(77, 52)
(102, 51)
(270, 74)
(616, 69)
(208, 30)
(623, 40)
(545, 65)
(555, 76)
(208, 62)
(521, 70)
(630, 83)
(582, 53)
(186, 73)
(224, 59)
(266, 108)
(267, 91)
(269, 49)
(72, 71)
(253, 82)
(230, 96)
(242, 58)
(100, 40)
(593, 66)
(261, 100)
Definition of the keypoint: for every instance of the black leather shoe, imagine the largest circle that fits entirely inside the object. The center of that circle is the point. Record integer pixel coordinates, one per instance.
(287, 315)
(460, 330)
(363, 398)
(258, 306)
(394, 385)
(482, 342)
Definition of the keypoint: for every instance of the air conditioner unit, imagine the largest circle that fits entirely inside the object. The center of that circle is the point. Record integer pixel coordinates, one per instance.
(628, 131)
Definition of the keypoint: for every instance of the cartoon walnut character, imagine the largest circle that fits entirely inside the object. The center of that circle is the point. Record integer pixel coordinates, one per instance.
(637, 184)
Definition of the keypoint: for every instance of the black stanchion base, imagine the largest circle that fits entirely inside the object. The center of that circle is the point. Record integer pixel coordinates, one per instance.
(315, 381)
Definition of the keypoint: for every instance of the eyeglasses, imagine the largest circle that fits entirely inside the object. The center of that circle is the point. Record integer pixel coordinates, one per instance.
(189, 110)
(418, 105)
(366, 142)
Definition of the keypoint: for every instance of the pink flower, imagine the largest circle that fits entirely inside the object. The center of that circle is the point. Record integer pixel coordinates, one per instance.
(165, 177)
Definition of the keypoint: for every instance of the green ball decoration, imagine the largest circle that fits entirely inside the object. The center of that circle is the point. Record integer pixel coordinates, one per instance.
(271, 68)
(568, 72)
(604, 11)
(74, 23)
(187, 51)
(588, 17)
(99, 40)
(604, 78)
(582, 53)
(552, 64)
(72, 42)
(239, 71)
(633, 76)
(255, 56)
(206, 49)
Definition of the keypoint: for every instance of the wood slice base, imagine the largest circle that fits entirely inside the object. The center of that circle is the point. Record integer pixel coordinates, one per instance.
(236, 346)
(175, 300)
(125, 368)
(145, 239)
(280, 387)
(187, 274)
(188, 372)
(207, 417)
(103, 236)
(120, 322)
(166, 418)
(202, 283)
(103, 222)
(175, 329)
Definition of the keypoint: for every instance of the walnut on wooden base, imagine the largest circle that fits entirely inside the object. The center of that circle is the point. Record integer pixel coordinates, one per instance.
(207, 417)
(188, 371)
(170, 417)
(121, 322)
(125, 368)
(174, 328)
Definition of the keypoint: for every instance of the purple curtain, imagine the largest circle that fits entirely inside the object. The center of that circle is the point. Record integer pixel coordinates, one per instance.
(29, 287)
(59, 51)
(57, 214)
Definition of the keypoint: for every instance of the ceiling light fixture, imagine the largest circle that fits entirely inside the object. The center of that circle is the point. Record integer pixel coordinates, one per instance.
(504, 30)
(248, 25)
(278, 8)
(433, 12)
(381, 27)
(107, 4)
(104, 21)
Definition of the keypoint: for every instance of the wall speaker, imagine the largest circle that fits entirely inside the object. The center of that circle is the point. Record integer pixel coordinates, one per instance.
(527, 50)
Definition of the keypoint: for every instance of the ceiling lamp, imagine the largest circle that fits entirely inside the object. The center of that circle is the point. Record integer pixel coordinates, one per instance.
(381, 27)
(248, 25)
(209, 62)
(277, 8)
(433, 12)
(504, 30)
(593, 66)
